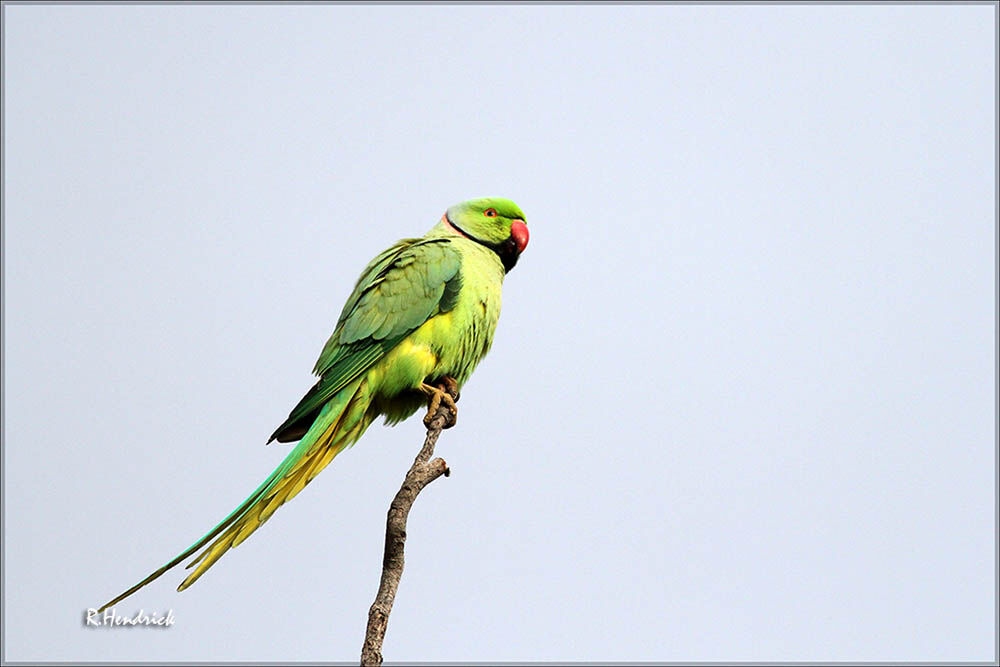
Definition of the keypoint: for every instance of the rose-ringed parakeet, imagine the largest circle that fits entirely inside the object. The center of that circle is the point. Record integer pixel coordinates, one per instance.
(421, 316)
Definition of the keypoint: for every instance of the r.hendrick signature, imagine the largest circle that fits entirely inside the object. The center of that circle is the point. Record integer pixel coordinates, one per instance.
(112, 620)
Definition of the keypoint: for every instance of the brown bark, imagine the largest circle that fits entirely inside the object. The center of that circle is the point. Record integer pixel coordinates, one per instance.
(421, 473)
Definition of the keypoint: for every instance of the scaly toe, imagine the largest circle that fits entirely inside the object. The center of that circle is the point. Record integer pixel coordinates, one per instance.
(452, 411)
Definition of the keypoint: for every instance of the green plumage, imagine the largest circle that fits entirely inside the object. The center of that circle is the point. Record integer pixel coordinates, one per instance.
(422, 310)
(401, 289)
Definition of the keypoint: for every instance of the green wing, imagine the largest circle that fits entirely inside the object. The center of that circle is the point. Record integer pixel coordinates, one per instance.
(398, 291)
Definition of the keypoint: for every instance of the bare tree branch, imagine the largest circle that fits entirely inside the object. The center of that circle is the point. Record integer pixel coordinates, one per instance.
(421, 473)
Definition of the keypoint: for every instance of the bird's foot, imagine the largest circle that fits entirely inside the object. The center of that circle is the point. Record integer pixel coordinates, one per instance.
(446, 392)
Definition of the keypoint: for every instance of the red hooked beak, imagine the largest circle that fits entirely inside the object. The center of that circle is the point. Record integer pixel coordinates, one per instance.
(519, 232)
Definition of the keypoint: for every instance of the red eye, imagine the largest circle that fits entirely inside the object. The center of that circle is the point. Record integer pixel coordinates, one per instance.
(490, 213)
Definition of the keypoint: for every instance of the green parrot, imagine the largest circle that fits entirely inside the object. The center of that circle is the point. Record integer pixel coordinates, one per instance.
(421, 317)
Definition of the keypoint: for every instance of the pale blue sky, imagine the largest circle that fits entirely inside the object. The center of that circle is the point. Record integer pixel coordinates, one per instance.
(740, 402)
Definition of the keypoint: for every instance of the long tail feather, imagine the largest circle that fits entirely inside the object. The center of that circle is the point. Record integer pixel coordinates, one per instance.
(342, 421)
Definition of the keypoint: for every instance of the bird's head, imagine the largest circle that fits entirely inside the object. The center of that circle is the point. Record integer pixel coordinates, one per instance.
(494, 222)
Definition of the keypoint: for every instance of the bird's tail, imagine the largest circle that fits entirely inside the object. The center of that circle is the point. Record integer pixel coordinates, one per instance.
(342, 421)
